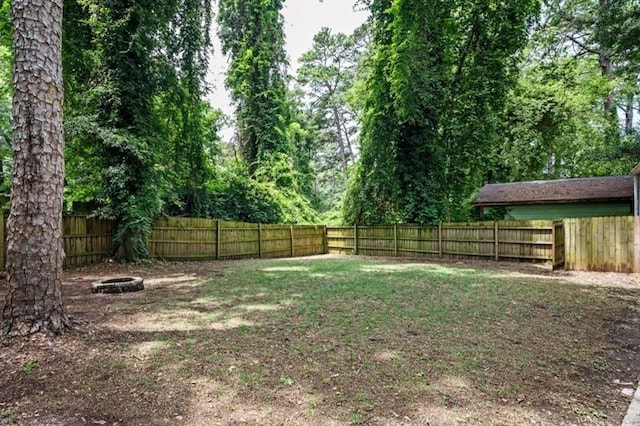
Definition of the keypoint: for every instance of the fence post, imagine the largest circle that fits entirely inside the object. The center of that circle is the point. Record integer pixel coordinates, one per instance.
(495, 238)
(440, 239)
(355, 239)
(553, 246)
(636, 243)
(395, 239)
(325, 240)
(259, 240)
(217, 240)
(3, 241)
(291, 234)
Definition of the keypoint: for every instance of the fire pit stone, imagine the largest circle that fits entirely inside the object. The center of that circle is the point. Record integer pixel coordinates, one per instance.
(118, 285)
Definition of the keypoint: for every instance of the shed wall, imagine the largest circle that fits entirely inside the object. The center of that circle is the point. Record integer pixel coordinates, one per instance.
(567, 210)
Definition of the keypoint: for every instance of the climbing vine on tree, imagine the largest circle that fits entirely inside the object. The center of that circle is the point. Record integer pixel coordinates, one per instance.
(251, 33)
(440, 74)
(141, 129)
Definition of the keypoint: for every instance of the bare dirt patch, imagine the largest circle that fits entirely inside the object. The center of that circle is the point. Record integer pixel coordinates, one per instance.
(296, 342)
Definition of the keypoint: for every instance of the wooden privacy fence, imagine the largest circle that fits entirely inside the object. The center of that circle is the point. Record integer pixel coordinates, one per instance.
(593, 244)
(88, 240)
(528, 240)
(178, 238)
(85, 240)
(602, 244)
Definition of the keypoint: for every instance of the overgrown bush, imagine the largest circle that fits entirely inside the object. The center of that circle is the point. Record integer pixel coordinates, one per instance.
(234, 195)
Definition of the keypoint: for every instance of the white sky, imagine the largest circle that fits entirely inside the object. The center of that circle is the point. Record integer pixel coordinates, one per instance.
(303, 20)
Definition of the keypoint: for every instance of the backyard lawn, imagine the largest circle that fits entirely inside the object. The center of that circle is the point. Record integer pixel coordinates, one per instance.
(333, 340)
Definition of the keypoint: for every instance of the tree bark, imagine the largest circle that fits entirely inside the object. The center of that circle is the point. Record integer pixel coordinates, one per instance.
(347, 140)
(606, 65)
(343, 154)
(34, 228)
(628, 115)
(606, 68)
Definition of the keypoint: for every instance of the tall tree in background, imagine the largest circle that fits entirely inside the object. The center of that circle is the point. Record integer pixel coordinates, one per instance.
(600, 31)
(251, 33)
(271, 142)
(374, 195)
(619, 29)
(34, 228)
(579, 72)
(441, 72)
(553, 120)
(189, 46)
(572, 27)
(327, 78)
(327, 72)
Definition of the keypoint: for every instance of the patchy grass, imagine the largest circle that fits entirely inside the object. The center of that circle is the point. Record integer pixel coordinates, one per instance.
(334, 341)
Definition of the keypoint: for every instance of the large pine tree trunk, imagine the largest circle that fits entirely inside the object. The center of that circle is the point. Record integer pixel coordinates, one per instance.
(34, 229)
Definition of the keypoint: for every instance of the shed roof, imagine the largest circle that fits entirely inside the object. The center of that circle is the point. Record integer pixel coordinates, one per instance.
(608, 188)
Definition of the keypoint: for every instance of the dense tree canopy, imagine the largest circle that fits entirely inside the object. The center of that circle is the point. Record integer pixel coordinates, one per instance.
(572, 112)
(270, 133)
(137, 74)
(401, 121)
(441, 72)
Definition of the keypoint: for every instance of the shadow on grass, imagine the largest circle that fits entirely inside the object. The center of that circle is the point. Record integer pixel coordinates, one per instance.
(343, 340)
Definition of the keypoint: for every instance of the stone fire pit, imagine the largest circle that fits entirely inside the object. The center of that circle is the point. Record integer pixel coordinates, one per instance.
(118, 285)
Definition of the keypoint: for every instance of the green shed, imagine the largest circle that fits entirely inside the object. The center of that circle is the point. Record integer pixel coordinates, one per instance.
(557, 199)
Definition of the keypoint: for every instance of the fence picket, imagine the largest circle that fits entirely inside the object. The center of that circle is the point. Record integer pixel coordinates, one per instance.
(600, 244)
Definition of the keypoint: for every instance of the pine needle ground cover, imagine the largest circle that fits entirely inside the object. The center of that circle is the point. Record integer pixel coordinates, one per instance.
(333, 340)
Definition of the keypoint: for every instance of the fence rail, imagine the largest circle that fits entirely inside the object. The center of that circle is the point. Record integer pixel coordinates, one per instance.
(528, 240)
